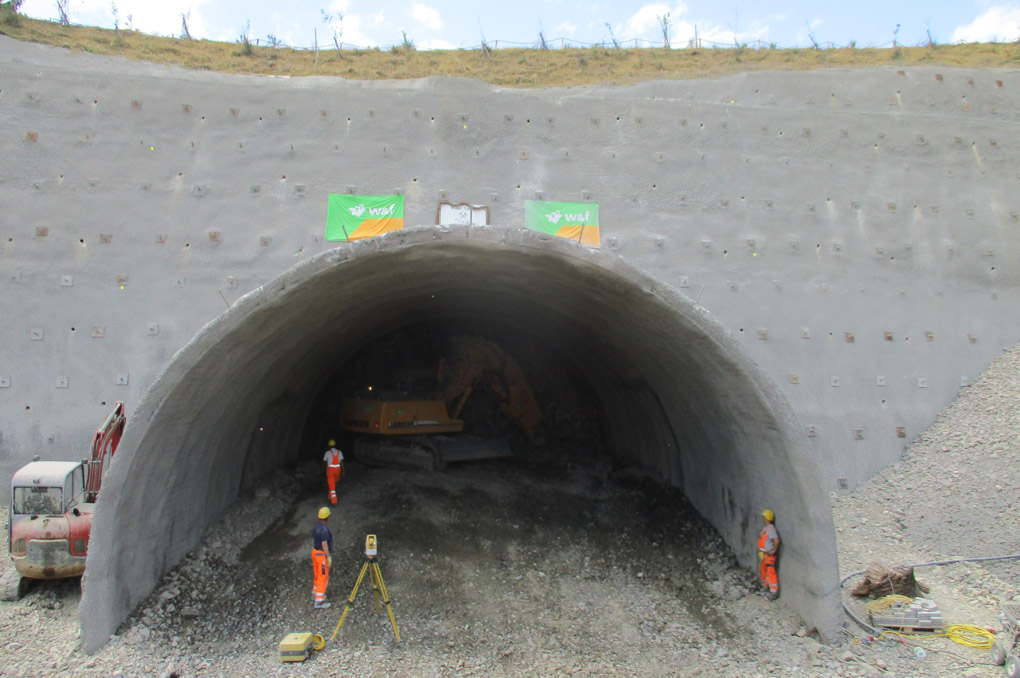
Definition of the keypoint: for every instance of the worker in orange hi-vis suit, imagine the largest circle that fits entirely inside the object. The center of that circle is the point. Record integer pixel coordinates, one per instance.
(768, 554)
(334, 459)
(322, 560)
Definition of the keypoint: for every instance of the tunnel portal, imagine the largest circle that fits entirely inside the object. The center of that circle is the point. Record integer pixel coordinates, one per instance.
(669, 391)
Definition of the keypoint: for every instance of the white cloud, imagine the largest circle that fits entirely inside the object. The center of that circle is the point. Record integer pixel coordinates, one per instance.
(338, 6)
(427, 16)
(354, 30)
(645, 24)
(683, 32)
(159, 18)
(47, 9)
(999, 22)
(566, 27)
(39, 9)
(645, 21)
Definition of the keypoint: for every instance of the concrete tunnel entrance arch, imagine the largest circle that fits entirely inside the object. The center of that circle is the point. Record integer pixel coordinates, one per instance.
(679, 397)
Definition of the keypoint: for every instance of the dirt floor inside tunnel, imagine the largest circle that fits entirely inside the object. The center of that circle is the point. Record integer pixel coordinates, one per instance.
(494, 559)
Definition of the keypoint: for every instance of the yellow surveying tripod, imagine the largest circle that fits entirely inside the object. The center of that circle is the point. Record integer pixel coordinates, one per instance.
(378, 587)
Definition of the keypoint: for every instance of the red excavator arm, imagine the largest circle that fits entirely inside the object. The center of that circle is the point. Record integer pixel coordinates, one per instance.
(104, 444)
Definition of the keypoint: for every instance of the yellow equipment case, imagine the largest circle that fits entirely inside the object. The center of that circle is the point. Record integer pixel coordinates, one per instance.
(295, 647)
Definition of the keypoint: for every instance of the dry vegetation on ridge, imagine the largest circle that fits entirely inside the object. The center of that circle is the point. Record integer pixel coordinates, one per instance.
(514, 67)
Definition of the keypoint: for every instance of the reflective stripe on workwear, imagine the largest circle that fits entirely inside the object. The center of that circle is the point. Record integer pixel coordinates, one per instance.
(333, 474)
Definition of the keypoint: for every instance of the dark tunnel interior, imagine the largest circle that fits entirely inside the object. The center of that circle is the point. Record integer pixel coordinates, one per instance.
(407, 363)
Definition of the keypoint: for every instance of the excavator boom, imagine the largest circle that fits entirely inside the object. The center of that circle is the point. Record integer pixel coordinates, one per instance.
(104, 445)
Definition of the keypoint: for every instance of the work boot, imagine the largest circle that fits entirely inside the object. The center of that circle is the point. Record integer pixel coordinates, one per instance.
(324, 605)
(771, 595)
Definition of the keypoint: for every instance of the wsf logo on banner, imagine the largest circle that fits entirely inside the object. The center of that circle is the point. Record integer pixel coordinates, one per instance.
(580, 217)
(372, 211)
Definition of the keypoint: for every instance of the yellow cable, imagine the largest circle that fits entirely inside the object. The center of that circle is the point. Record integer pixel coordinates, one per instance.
(886, 602)
(970, 635)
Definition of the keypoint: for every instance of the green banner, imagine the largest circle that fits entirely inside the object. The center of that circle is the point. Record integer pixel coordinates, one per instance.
(574, 220)
(352, 217)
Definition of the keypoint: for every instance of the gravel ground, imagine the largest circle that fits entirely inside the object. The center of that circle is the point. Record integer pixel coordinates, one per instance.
(517, 569)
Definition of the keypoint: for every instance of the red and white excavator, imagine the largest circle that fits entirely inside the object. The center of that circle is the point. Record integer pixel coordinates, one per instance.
(50, 516)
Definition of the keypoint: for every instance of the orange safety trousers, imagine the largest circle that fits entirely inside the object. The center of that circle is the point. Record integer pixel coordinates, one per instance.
(332, 478)
(769, 577)
(320, 566)
(768, 572)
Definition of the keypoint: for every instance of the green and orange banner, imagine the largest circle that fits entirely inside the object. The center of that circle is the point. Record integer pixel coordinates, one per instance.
(574, 220)
(352, 217)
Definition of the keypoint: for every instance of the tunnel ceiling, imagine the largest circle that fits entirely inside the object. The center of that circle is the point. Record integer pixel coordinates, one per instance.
(678, 397)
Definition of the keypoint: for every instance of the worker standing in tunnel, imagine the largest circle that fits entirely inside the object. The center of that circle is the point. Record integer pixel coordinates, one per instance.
(334, 460)
(768, 555)
(322, 559)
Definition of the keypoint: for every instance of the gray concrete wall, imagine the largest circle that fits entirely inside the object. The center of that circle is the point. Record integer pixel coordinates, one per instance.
(854, 232)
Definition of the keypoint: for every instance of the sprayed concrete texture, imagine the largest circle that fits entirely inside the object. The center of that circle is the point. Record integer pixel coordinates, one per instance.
(798, 272)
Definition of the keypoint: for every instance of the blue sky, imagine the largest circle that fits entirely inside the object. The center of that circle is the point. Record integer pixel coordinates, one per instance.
(446, 24)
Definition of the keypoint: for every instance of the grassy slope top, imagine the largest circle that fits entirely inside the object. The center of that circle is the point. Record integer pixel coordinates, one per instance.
(507, 67)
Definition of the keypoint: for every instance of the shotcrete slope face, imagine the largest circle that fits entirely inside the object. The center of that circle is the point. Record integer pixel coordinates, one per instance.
(677, 396)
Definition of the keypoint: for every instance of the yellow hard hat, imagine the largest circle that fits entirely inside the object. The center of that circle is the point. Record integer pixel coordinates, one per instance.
(323, 513)
(768, 515)
(332, 442)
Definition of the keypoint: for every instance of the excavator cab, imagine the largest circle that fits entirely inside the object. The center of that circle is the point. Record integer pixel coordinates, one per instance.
(48, 488)
(49, 521)
(50, 517)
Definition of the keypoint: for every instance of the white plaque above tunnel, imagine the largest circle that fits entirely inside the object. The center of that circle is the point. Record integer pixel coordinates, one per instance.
(462, 214)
